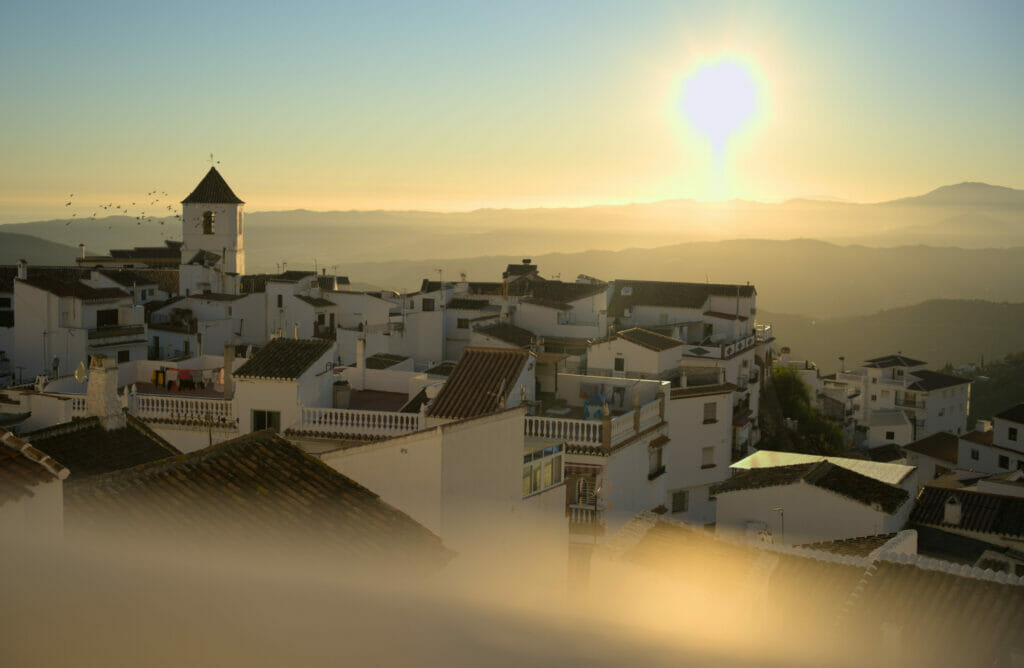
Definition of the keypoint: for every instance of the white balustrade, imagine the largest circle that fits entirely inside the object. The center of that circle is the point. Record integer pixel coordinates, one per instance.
(650, 414)
(622, 427)
(78, 406)
(574, 432)
(362, 423)
(183, 409)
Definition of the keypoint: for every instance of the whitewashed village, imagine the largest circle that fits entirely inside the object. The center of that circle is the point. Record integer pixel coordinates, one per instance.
(608, 422)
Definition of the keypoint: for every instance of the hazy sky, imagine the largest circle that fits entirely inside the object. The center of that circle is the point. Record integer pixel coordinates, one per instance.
(454, 105)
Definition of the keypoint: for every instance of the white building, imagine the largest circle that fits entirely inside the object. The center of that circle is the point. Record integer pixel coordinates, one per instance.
(807, 499)
(212, 250)
(931, 400)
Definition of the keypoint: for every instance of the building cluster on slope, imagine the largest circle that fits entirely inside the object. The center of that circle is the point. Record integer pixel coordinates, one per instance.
(467, 417)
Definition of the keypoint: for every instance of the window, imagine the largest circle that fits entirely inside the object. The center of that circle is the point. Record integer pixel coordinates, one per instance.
(428, 304)
(321, 319)
(1020, 465)
(974, 454)
(874, 397)
(707, 457)
(5, 302)
(654, 463)
(266, 420)
(106, 318)
(462, 323)
(542, 469)
(1012, 434)
(123, 356)
(208, 222)
(620, 363)
(1004, 462)
(186, 345)
(890, 436)
(680, 501)
(229, 311)
(280, 301)
(710, 412)
(874, 381)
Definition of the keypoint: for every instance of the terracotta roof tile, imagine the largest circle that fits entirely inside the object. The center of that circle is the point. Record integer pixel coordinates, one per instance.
(627, 294)
(939, 445)
(934, 380)
(87, 449)
(255, 486)
(482, 378)
(892, 360)
(285, 359)
(979, 511)
(22, 467)
(824, 475)
(503, 331)
(1015, 414)
(213, 189)
(648, 339)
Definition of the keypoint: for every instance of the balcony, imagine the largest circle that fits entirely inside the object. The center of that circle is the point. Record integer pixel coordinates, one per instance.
(350, 422)
(589, 433)
(586, 520)
(909, 403)
(763, 332)
(199, 411)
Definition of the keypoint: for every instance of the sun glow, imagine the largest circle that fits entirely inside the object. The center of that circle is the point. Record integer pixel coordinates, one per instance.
(720, 100)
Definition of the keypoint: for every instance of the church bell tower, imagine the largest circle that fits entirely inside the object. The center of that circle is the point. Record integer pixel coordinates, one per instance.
(212, 223)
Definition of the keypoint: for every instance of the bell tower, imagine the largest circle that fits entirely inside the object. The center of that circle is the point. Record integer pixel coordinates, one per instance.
(212, 223)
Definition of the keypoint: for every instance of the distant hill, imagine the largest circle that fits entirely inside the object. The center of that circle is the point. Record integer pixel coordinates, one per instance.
(939, 331)
(797, 276)
(14, 247)
(968, 215)
(966, 194)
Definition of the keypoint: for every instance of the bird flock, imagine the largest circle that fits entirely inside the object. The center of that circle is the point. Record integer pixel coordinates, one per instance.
(154, 199)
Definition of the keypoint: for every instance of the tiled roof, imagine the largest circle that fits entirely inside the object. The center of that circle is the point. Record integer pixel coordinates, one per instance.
(165, 279)
(932, 606)
(503, 331)
(9, 272)
(981, 512)
(482, 379)
(980, 437)
(890, 452)
(1015, 414)
(559, 292)
(891, 361)
(824, 475)
(204, 258)
(468, 304)
(328, 282)
(473, 287)
(213, 189)
(316, 302)
(257, 486)
(22, 467)
(87, 449)
(519, 269)
(159, 253)
(258, 282)
(854, 547)
(73, 288)
(939, 446)
(384, 360)
(285, 359)
(673, 295)
(892, 474)
(726, 316)
(933, 380)
(648, 339)
(442, 369)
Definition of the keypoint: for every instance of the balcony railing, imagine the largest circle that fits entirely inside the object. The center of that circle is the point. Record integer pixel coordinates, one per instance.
(909, 403)
(589, 432)
(196, 410)
(355, 422)
(586, 520)
(116, 332)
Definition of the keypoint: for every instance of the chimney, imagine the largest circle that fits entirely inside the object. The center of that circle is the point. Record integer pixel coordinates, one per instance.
(983, 425)
(361, 363)
(81, 251)
(951, 514)
(22, 270)
(101, 394)
(229, 362)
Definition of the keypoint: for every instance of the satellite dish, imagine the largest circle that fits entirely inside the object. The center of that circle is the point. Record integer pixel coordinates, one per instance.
(80, 374)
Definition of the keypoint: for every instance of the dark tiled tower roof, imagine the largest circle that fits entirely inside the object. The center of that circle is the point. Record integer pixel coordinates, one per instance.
(213, 189)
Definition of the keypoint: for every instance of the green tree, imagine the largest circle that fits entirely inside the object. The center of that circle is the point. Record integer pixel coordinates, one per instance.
(819, 434)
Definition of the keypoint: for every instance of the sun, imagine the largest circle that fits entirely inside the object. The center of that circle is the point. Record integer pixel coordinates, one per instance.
(719, 99)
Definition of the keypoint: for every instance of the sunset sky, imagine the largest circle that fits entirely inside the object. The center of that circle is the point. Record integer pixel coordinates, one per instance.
(459, 105)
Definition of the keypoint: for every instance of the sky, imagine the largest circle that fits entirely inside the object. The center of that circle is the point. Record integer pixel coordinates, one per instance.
(461, 105)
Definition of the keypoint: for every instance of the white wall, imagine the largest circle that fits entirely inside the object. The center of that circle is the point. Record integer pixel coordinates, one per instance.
(227, 233)
(266, 395)
(684, 467)
(811, 514)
